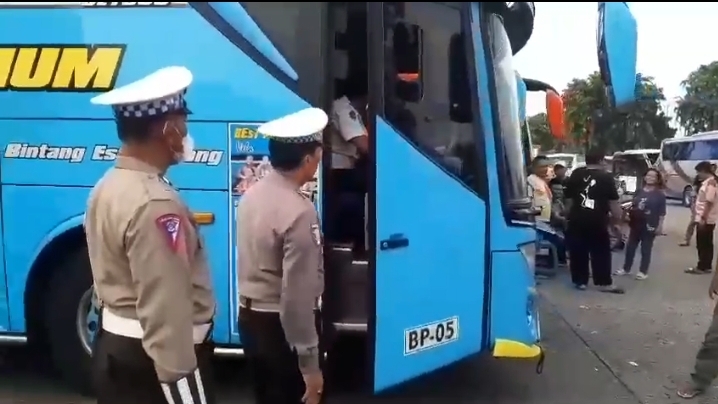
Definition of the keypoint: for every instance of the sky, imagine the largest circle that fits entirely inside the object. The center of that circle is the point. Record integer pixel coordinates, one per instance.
(673, 40)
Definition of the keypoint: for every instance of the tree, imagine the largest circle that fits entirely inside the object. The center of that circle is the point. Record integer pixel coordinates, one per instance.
(697, 110)
(540, 133)
(590, 121)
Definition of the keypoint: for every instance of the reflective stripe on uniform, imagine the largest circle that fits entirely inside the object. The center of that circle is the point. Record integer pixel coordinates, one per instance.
(187, 390)
(127, 327)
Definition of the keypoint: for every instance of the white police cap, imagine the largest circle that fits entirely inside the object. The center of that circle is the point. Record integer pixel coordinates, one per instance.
(156, 94)
(300, 127)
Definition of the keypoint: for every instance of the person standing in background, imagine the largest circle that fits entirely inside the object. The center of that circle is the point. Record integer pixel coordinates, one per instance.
(646, 216)
(592, 203)
(690, 229)
(705, 369)
(706, 215)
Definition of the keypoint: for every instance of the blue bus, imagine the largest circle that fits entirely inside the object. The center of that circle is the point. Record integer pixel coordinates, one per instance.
(447, 269)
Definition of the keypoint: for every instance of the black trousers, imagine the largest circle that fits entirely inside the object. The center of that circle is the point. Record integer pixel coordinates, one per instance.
(123, 373)
(275, 370)
(704, 245)
(589, 244)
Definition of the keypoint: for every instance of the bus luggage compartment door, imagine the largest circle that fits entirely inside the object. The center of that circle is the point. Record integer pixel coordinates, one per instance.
(429, 268)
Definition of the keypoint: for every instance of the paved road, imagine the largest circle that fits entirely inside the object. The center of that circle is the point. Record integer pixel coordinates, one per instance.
(600, 349)
(650, 335)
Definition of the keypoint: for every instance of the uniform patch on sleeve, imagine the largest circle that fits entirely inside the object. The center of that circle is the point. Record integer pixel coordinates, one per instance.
(317, 234)
(170, 224)
(353, 115)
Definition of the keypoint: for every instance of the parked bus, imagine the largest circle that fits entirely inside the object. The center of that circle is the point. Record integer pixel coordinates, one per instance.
(678, 159)
(628, 167)
(448, 272)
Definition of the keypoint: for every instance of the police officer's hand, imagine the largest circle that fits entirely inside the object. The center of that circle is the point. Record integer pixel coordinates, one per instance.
(314, 387)
(713, 289)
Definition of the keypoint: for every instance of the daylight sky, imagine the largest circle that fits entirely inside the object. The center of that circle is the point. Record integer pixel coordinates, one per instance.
(673, 39)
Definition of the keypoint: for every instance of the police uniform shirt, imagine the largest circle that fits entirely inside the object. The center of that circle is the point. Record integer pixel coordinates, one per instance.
(346, 125)
(280, 244)
(147, 257)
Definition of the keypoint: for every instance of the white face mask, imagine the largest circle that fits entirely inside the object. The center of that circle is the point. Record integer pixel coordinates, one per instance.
(187, 148)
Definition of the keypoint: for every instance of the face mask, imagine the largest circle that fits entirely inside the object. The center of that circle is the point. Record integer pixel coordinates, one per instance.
(187, 152)
(187, 147)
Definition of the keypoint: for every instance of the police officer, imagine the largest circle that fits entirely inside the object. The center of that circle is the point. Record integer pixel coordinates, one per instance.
(149, 266)
(282, 275)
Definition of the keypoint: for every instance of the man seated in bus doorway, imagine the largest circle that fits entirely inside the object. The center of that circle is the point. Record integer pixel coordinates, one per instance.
(541, 200)
(349, 141)
(539, 189)
(592, 203)
(705, 217)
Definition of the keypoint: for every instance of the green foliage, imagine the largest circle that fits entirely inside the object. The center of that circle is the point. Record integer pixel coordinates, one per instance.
(590, 121)
(540, 133)
(697, 110)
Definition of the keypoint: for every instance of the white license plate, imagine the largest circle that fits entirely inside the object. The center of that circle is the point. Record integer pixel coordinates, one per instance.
(432, 335)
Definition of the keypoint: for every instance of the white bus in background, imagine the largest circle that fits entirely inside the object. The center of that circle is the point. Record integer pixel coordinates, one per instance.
(679, 157)
(568, 160)
(630, 165)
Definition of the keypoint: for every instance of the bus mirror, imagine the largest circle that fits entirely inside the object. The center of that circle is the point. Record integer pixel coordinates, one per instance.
(616, 42)
(408, 46)
(459, 86)
(555, 114)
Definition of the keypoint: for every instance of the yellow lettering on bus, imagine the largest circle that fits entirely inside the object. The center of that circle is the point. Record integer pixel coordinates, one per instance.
(246, 133)
(60, 68)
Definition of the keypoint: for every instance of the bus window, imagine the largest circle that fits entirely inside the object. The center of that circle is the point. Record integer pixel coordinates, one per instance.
(407, 45)
(696, 150)
(426, 121)
(510, 154)
(296, 30)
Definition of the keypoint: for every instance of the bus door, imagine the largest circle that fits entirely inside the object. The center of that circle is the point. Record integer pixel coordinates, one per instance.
(429, 215)
(4, 308)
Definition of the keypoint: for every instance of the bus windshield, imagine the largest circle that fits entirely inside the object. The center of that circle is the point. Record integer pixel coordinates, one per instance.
(632, 165)
(510, 151)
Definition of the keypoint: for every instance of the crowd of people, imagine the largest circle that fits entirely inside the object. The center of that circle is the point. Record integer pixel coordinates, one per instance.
(584, 209)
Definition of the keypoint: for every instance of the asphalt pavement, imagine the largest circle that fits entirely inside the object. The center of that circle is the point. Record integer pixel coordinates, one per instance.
(600, 348)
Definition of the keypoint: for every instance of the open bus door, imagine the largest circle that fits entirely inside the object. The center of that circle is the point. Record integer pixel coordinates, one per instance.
(427, 228)
(616, 42)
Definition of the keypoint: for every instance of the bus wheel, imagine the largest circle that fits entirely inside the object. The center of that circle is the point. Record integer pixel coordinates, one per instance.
(687, 197)
(71, 321)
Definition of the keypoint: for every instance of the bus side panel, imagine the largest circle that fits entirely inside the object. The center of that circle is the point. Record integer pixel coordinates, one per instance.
(511, 276)
(512, 312)
(430, 292)
(216, 240)
(30, 213)
(228, 85)
(4, 308)
(40, 193)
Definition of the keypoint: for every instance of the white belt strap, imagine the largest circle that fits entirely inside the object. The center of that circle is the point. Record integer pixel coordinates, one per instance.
(130, 328)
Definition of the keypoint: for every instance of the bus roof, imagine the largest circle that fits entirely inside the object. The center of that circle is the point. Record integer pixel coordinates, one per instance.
(637, 151)
(692, 138)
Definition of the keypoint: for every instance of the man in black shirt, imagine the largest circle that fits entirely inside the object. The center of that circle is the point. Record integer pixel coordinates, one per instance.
(592, 203)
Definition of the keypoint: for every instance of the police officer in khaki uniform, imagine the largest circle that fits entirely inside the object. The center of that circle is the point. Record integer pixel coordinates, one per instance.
(281, 276)
(148, 263)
